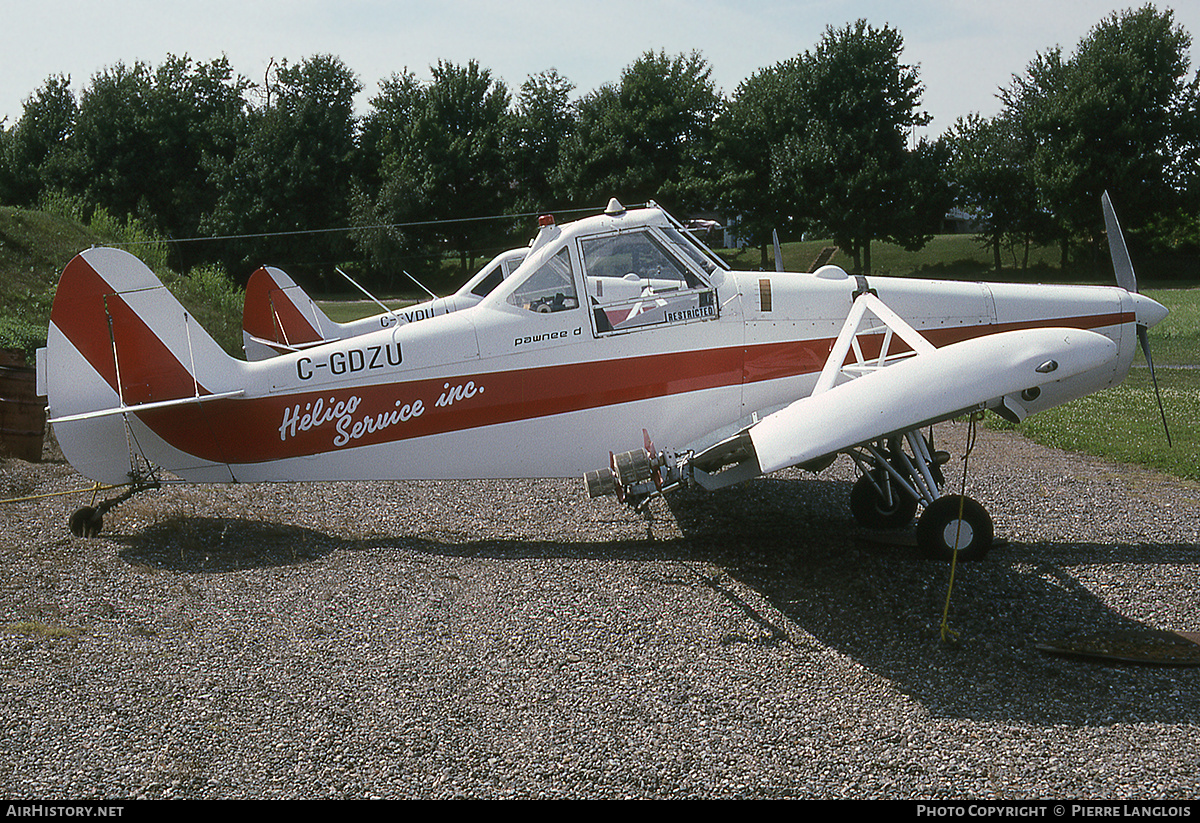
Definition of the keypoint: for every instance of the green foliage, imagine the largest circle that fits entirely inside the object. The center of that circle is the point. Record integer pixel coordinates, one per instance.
(35, 246)
(23, 325)
(35, 153)
(648, 137)
(826, 135)
(440, 148)
(144, 139)
(291, 171)
(542, 122)
(1119, 114)
(766, 113)
(286, 173)
(214, 300)
(990, 167)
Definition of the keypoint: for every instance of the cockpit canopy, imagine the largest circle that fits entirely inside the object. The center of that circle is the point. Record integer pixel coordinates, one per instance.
(634, 268)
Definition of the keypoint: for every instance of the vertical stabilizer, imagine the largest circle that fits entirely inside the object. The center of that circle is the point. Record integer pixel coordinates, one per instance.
(120, 341)
(278, 316)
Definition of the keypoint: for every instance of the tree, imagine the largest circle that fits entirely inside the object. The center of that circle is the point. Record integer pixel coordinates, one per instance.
(143, 140)
(848, 164)
(543, 121)
(292, 170)
(990, 169)
(1119, 114)
(647, 137)
(113, 144)
(34, 155)
(766, 111)
(196, 115)
(441, 151)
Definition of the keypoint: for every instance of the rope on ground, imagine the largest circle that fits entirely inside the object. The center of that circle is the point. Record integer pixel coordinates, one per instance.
(96, 489)
(948, 634)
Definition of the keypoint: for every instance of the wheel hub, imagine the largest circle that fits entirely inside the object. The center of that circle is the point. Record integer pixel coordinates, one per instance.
(958, 534)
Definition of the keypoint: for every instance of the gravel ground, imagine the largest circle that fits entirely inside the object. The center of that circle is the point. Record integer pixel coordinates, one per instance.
(516, 639)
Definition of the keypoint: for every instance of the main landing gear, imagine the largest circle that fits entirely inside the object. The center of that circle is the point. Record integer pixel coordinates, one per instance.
(895, 481)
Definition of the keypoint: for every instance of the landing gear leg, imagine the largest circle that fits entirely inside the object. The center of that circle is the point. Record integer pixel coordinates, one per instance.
(894, 483)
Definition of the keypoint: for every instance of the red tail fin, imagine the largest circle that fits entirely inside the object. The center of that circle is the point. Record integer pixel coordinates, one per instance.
(119, 339)
(278, 316)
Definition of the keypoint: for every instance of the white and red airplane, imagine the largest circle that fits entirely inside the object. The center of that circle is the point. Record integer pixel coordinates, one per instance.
(616, 332)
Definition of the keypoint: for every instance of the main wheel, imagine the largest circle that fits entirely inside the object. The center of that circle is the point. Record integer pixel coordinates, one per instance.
(941, 527)
(872, 511)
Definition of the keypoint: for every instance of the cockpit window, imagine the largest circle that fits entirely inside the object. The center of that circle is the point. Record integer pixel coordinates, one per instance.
(635, 256)
(484, 287)
(500, 268)
(636, 281)
(551, 288)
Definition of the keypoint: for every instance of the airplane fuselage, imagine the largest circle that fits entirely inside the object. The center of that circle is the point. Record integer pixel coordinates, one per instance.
(563, 363)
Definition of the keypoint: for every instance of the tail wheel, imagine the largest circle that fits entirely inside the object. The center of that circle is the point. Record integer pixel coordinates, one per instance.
(86, 522)
(871, 510)
(952, 521)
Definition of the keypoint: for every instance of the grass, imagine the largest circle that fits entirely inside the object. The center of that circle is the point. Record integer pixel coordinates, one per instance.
(35, 246)
(35, 628)
(1123, 423)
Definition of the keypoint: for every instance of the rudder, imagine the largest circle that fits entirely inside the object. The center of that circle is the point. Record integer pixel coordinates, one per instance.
(118, 339)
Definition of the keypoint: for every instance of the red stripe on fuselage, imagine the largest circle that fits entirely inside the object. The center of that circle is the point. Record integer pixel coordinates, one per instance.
(272, 428)
(773, 361)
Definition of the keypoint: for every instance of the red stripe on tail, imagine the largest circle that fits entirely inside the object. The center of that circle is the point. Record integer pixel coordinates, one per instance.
(270, 314)
(94, 317)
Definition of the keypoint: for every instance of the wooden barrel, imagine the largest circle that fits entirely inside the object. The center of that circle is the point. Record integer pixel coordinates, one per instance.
(22, 412)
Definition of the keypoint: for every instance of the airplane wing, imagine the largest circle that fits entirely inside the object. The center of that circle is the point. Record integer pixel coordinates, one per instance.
(982, 373)
(894, 394)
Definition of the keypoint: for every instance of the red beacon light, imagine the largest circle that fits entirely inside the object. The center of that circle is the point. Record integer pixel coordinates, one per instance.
(545, 220)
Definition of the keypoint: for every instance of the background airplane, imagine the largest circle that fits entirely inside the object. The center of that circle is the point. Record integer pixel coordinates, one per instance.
(278, 316)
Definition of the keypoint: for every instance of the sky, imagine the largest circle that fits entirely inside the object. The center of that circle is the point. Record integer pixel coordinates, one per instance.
(966, 50)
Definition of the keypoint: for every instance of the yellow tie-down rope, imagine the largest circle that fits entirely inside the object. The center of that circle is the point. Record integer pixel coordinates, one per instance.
(95, 490)
(948, 634)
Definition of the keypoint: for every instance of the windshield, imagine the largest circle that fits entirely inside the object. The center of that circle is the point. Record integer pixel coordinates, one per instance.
(694, 250)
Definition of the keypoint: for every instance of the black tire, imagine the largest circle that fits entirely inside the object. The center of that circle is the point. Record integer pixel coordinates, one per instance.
(871, 512)
(85, 522)
(939, 527)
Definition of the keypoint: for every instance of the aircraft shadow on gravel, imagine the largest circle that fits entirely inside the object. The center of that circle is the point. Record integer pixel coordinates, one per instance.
(853, 591)
(794, 544)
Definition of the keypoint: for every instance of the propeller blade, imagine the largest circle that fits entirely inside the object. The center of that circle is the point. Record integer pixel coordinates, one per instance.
(1122, 265)
(1144, 339)
(778, 251)
(1126, 279)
